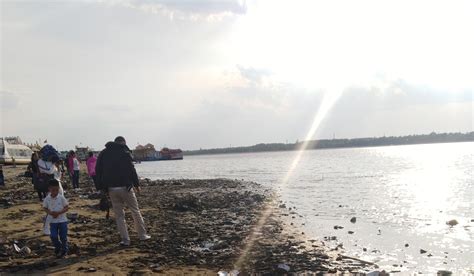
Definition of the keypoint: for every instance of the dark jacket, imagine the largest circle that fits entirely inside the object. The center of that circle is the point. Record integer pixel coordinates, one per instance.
(115, 168)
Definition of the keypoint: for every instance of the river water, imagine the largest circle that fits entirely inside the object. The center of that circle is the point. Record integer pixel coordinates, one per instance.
(401, 196)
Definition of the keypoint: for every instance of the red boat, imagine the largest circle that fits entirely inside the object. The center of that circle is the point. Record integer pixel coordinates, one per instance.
(170, 154)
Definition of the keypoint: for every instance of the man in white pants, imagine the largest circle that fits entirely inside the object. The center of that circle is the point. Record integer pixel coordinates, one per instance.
(117, 176)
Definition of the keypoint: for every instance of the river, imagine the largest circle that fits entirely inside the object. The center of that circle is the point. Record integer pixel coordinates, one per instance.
(401, 197)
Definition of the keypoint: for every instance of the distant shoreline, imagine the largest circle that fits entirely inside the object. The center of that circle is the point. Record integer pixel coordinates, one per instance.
(432, 138)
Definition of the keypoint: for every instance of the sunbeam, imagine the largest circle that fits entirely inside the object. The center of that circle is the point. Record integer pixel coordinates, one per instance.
(328, 102)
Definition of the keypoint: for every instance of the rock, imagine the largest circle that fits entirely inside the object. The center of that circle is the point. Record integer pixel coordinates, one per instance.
(230, 273)
(284, 267)
(338, 227)
(452, 222)
(406, 245)
(72, 216)
(25, 250)
(350, 232)
(444, 273)
(155, 268)
(364, 249)
(282, 206)
(422, 251)
(353, 219)
(378, 273)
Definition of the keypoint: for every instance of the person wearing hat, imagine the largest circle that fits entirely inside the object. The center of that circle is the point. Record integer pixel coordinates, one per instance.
(116, 175)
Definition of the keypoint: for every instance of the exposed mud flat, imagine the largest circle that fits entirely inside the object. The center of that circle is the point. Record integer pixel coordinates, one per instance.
(197, 227)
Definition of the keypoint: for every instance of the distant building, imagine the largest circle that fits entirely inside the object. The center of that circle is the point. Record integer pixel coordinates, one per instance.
(149, 153)
(82, 153)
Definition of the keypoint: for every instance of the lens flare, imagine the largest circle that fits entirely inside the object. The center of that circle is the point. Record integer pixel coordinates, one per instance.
(328, 102)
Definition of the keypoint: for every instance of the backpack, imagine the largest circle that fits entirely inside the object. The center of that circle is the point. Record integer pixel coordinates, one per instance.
(48, 151)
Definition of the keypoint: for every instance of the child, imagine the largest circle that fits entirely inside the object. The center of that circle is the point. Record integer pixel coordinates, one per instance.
(56, 206)
(58, 176)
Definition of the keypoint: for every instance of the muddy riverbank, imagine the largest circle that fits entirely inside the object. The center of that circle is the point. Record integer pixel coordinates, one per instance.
(197, 227)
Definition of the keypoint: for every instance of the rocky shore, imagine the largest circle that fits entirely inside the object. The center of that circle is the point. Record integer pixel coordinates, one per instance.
(197, 227)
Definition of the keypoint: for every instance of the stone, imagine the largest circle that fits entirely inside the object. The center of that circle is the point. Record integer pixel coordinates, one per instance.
(422, 251)
(353, 219)
(284, 267)
(452, 222)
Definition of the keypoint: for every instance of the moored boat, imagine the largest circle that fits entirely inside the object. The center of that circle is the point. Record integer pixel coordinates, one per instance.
(13, 151)
(170, 154)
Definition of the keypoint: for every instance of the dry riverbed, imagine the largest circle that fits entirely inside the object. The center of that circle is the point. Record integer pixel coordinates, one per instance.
(197, 227)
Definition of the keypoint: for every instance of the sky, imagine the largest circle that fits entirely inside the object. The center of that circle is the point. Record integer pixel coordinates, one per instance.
(214, 73)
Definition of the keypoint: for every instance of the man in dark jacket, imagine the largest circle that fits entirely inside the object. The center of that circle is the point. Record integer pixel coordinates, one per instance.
(116, 175)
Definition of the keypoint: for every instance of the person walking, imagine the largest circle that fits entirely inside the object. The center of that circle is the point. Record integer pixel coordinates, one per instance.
(74, 166)
(46, 173)
(116, 175)
(2, 178)
(34, 170)
(91, 163)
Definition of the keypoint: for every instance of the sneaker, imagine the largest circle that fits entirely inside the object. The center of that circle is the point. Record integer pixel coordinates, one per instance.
(123, 244)
(146, 237)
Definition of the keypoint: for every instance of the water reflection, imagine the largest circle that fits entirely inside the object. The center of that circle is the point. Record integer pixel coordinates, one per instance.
(406, 192)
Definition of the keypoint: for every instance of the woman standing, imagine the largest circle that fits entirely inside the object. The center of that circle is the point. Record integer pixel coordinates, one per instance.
(91, 162)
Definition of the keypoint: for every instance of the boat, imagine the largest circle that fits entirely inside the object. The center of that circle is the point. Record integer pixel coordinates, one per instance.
(170, 154)
(13, 151)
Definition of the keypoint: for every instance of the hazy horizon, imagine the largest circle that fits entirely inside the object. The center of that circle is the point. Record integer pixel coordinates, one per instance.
(214, 73)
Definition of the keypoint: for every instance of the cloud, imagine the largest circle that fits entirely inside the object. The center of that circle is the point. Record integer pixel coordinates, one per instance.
(187, 9)
(9, 100)
(252, 74)
(114, 108)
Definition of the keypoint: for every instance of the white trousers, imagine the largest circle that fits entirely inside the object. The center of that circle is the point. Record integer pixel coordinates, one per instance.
(120, 197)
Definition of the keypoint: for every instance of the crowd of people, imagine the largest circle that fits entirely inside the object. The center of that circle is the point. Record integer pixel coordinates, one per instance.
(113, 174)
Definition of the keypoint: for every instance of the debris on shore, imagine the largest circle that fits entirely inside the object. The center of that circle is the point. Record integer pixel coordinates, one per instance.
(201, 225)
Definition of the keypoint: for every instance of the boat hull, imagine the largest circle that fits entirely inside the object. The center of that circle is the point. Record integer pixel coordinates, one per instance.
(9, 161)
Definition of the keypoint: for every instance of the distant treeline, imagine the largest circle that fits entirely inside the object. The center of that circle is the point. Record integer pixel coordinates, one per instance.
(345, 143)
